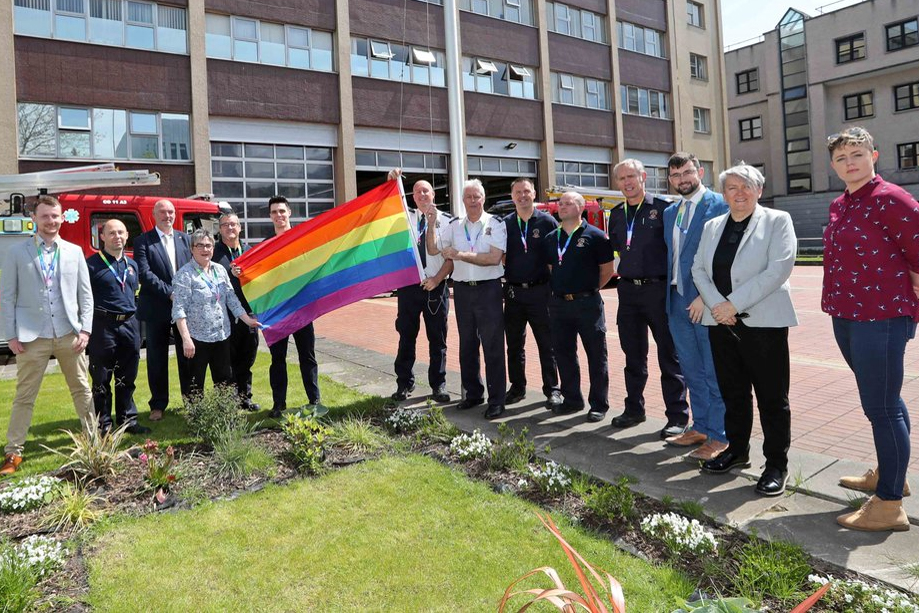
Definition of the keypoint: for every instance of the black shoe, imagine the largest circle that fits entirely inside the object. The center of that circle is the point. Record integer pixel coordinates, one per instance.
(276, 411)
(627, 420)
(772, 483)
(440, 394)
(673, 430)
(596, 416)
(515, 395)
(494, 411)
(554, 400)
(469, 403)
(402, 393)
(137, 429)
(567, 409)
(252, 407)
(726, 461)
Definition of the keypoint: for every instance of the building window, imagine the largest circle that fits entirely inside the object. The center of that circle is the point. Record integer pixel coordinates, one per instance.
(850, 48)
(644, 102)
(907, 96)
(381, 59)
(858, 106)
(747, 81)
(121, 23)
(695, 14)
(908, 155)
(494, 77)
(902, 35)
(698, 67)
(518, 11)
(580, 91)
(657, 181)
(708, 177)
(572, 21)
(751, 129)
(497, 167)
(249, 40)
(582, 174)
(760, 167)
(246, 175)
(701, 120)
(640, 40)
(69, 132)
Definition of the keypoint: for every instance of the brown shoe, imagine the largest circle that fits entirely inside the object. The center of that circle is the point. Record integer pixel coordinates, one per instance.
(156, 415)
(11, 463)
(687, 439)
(876, 515)
(867, 482)
(709, 450)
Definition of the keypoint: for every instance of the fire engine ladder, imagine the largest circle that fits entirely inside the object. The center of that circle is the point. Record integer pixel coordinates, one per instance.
(100, 176)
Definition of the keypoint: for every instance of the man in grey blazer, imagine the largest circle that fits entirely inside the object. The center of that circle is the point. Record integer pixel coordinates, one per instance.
(47, 307)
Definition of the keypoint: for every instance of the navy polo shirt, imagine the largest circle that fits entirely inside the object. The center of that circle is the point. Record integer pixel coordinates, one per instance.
(579, 270)
(646, 256)
(224, 256)
(527, 265)
(108, 294)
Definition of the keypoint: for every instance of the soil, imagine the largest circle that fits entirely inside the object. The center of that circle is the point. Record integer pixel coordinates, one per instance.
(127, 493)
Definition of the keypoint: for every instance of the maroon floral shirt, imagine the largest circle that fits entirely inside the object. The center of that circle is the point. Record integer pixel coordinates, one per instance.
(869, 247)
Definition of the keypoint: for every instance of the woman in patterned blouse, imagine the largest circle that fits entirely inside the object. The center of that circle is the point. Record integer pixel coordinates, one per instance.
(202, 295)
(870, 260)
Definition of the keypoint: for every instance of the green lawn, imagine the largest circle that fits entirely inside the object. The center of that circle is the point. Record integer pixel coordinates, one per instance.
(396, 534)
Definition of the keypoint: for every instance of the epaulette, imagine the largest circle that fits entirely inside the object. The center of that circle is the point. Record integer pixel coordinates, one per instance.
(452, 219)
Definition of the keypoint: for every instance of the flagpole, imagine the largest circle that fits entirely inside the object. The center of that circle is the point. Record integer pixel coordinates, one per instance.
(455, 107)
(412, 229)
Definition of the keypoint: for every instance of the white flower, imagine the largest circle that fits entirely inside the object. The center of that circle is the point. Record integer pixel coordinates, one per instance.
(552, 478)
(679, 533)
(404, 420)
(471, 446)
(29, 493)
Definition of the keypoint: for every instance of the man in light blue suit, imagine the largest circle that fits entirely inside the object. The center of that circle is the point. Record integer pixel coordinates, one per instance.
(683, 222)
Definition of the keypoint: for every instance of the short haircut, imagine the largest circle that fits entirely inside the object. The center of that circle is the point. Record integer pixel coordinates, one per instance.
(278, 200)
(855, 136)
(745, 173)
(577, 198)
(680, 158)
(636, 164)
(226, 216)
(200, 235)
(522, 180)
(113, 220)
(47, 200)
(475, 184)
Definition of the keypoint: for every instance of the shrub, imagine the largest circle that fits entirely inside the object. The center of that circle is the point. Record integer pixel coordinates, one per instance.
(679, 534)
(358, 435)
(471, 446)
(237, 455)
(74, 509)
(512, 451)
(94, 453)
(550, 479)
(776, 568)
(214, 412)
(29, 493)
(307, 438)
(612, 501)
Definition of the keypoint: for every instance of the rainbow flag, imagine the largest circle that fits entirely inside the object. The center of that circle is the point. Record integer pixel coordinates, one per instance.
(357, 250)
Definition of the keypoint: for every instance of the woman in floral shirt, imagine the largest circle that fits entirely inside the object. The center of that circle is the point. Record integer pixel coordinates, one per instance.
(202, 295)
(870, 259)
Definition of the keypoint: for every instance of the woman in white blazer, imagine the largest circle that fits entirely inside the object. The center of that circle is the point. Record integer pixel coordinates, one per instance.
(741, 270)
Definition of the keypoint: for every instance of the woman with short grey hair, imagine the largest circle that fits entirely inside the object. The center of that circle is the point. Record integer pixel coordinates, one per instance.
(201, 296)
(741, 270)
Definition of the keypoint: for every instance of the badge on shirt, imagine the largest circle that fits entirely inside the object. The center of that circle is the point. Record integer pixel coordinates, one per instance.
(535, 232)
(653, 214)
(582, 242)
(488, 231)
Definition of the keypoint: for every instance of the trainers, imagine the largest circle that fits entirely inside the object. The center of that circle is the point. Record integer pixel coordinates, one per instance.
(402, 393)
(440, 394)
(867, 482)
(876, 515)
(11, 464)
(554, 400)
(671, 430)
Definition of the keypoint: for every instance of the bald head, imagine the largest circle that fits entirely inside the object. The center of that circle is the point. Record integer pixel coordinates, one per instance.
(423, 194)
(114, 237)
(164, 214)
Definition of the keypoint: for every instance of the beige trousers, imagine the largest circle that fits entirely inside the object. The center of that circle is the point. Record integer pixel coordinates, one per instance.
(30, 367)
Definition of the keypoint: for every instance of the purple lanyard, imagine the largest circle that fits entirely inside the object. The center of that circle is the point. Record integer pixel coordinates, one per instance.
(469, 239)
(124, 276)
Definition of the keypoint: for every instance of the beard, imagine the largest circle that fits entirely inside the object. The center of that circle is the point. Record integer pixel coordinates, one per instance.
(685, 191)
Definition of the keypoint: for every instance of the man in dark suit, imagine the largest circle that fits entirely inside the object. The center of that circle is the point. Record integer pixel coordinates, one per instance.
(683, 222)
(159, 253)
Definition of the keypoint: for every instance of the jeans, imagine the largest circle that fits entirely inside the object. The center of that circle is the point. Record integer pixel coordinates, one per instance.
(874, 351)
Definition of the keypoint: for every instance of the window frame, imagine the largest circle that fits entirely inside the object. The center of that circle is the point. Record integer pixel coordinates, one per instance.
(701, 120)
(851, 55)
(753, 130)
(860, 109)
(902, 34)
(902, 155)
(695, 14)
(752, 85)
(912, 96)
(698, 67)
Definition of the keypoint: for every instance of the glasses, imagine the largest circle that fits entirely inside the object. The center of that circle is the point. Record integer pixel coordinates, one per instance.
(204, 246)
(683, 175)
(229, 224)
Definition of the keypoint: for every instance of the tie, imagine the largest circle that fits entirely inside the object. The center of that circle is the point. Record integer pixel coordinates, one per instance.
(683, 215)
(682, 218)
(170, 251)
(422, 249)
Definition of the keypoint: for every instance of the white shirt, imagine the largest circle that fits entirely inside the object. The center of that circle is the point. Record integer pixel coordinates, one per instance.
(433, 262)
(479, 237)
(678, 235)
(169, 245)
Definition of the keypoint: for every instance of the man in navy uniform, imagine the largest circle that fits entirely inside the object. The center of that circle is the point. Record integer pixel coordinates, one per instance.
(114, 347)
(243, 339)
(526, 294)
(476, 244)
(581, 261)
(160, 252)
(637, 233)
(429, 299)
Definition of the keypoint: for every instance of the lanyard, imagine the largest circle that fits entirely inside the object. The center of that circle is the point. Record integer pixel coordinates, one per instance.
(215, 286)
(124, 276)
(47, 269)
(630, 226)
(561, 250)
(469, 239)
(235, 252)
(524, 227)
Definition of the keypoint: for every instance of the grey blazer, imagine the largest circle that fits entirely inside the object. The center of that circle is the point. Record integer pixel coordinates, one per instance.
(759, 276)
(22, 286)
